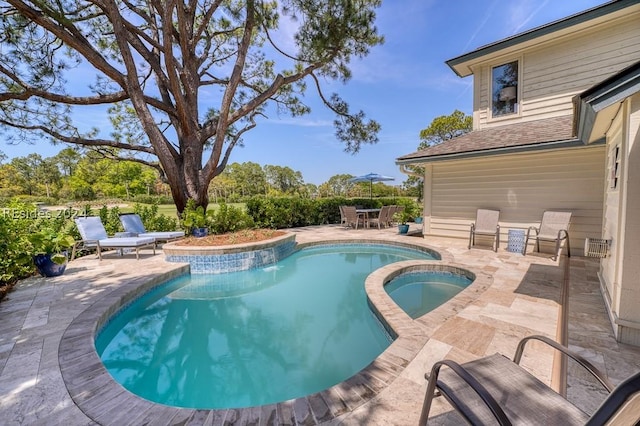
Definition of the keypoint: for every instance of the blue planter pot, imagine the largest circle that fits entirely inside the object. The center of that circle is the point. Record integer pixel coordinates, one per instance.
(403, 228)
(418, 220)
(200, 232)
(47, 267)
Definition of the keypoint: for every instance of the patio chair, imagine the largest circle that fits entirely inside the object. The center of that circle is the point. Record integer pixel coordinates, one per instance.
(395, 209)
(95, 236)
(496, 390)
(343, 217)
(383, 217)
(554, 227)
(132, 223)
(486, 224)
(353, 217)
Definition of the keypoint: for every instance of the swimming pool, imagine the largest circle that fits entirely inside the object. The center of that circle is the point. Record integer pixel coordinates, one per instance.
(252, 337)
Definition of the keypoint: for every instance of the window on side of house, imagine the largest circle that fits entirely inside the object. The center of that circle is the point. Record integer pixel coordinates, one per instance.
(504, 89)
(615, 167)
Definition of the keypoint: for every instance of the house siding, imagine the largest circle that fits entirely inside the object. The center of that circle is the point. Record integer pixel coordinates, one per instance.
(553, 73)
(522, 187)
(627, 264)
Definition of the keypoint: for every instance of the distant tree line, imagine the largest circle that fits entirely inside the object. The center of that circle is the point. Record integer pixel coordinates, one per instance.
(72, 175)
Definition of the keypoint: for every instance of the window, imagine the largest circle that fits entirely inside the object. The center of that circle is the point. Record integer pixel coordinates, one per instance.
(615, 167)
(504, 89)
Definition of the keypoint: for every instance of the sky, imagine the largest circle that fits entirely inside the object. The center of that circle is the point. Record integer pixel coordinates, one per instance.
(403, 84)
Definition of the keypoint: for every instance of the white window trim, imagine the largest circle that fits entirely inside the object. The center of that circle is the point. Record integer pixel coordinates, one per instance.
(518, 113)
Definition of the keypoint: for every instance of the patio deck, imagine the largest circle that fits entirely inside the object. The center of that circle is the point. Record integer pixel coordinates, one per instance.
(521, 300)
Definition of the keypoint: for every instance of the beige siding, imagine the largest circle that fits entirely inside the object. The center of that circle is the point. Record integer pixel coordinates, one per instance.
(628, 266)
(522, 187)
(552, 74)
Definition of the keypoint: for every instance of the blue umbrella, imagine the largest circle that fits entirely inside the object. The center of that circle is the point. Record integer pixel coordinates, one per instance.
(371, 177)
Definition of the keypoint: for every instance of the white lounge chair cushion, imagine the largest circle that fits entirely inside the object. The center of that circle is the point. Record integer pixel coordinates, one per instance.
(163, 234)
(126, 242)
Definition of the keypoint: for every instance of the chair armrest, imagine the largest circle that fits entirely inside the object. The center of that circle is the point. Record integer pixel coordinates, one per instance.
(480, 390)
(576, 357)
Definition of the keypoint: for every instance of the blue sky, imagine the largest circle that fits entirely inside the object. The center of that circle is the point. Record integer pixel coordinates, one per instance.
(403, 84)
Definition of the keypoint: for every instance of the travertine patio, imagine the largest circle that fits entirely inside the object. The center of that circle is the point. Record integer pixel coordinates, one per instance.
(520, 299)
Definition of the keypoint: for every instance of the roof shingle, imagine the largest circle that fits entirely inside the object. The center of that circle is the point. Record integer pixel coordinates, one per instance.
(511, 135)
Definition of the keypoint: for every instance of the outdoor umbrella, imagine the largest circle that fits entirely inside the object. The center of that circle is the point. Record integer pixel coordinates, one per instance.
(371, 177)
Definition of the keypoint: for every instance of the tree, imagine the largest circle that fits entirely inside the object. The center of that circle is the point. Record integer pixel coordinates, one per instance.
(444, 128)
(158, 66)
(249, 177)
(67, 160)
(441, 129)
(339, 184)
(284, 179)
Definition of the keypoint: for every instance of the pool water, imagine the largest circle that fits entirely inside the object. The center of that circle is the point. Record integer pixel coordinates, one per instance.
(252, 337)
(418, 293)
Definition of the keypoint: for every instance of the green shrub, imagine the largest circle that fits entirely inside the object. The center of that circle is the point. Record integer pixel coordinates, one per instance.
(110, 218)
(228, 218)
(154, 221)
(291, 212)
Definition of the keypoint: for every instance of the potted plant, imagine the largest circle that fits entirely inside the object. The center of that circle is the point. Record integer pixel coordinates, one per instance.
(417, 211)
(195, 219)
(402, 217)
(48, 249)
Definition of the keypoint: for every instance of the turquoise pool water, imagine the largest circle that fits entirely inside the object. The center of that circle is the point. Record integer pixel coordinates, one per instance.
(420, 292)
(252, 337)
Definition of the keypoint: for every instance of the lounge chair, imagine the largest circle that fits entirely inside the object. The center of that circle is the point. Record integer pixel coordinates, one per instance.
(486, 224)
(95, 236)
(132, 223)
(554, 227)
(353, 217)
(383, 217)
(496, 390)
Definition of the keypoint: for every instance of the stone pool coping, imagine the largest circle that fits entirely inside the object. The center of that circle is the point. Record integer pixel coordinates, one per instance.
(106, 402)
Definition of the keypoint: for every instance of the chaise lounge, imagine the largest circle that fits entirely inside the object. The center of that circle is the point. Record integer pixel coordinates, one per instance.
(132, 223)
(95, 236)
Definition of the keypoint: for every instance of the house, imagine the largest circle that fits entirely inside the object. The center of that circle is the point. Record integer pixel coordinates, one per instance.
(556, 118)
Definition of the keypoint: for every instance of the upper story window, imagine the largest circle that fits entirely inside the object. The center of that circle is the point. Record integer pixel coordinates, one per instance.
(504, 89)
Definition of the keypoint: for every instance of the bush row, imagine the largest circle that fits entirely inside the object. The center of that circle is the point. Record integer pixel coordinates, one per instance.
(292, 212)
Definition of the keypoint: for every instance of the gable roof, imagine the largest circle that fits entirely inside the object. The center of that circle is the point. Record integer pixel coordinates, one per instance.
(461, 65)
(549, 133)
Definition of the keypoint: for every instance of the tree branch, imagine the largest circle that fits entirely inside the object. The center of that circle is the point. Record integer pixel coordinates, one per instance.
(79, 140)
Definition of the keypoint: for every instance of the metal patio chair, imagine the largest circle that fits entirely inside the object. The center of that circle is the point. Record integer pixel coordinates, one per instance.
(486, 224)
(353, 217)
(384, 217)
(496, 390)
(554, 227)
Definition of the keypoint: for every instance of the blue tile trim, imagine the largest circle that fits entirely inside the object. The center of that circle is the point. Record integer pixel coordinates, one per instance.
(233, 262)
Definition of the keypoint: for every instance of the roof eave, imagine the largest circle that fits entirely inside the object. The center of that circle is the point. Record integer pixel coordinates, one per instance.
(591, 104)
(571, 143)
(461, 65)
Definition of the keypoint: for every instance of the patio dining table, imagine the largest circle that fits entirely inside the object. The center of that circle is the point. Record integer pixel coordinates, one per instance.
(366, 213)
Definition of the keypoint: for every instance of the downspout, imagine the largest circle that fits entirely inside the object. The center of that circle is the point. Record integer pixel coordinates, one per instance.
(426, 195)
